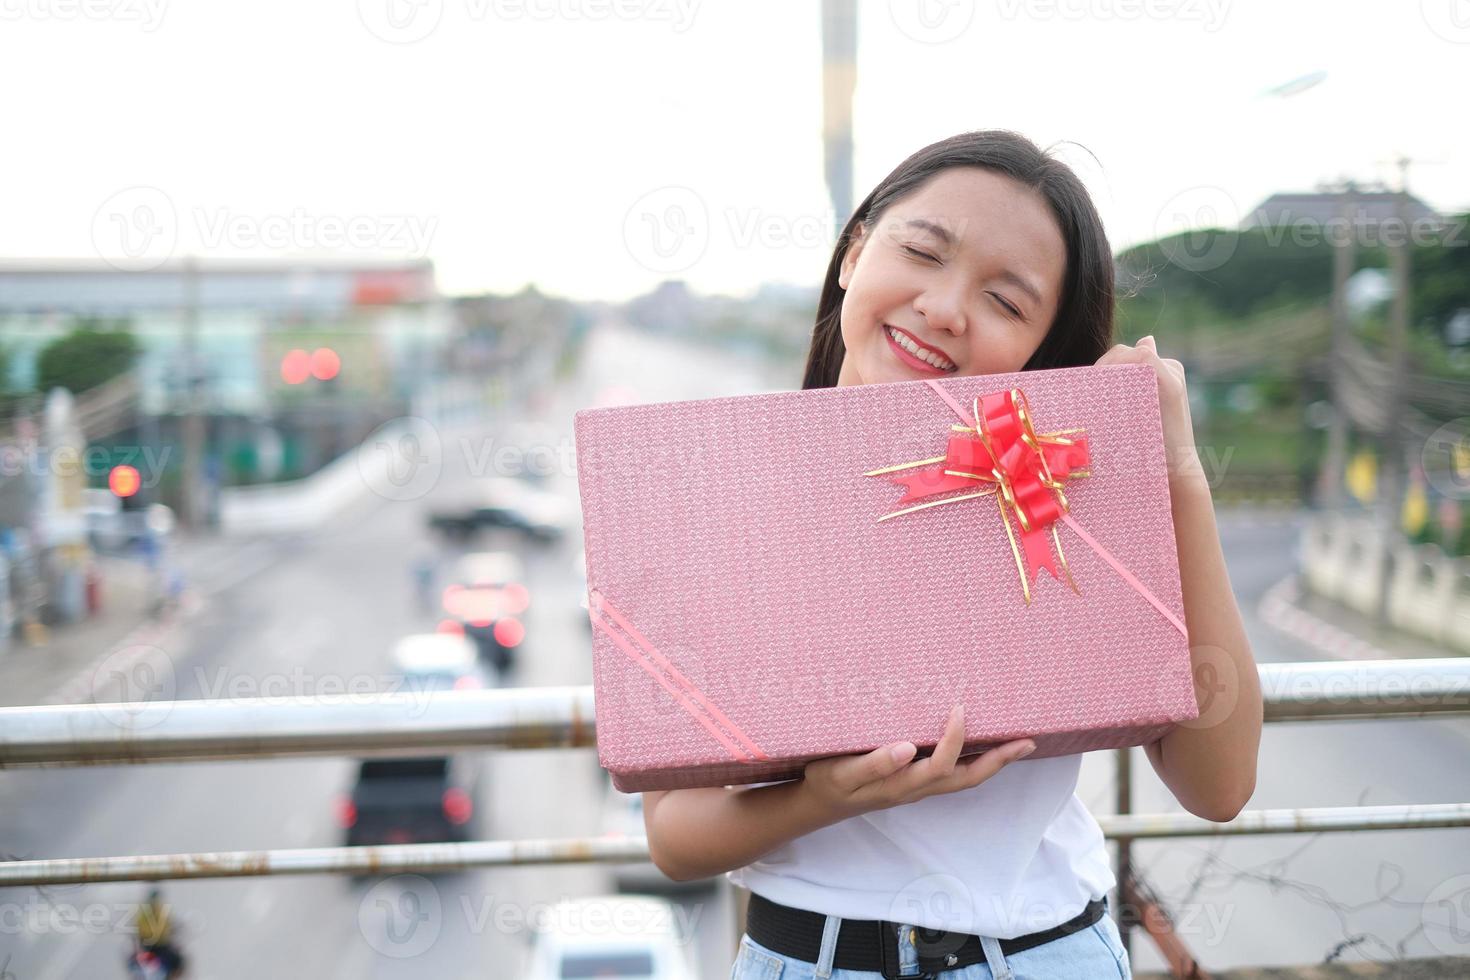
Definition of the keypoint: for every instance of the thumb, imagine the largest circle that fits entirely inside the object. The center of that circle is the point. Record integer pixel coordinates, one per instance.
(1148, 342)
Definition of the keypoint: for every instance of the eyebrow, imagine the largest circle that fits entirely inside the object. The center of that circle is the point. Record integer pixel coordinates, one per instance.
(943, 234)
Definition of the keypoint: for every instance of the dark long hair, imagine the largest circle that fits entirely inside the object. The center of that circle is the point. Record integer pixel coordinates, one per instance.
(1083, 329)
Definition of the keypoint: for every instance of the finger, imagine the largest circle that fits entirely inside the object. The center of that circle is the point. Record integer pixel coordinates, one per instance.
(1147, 353)
(1149, 342)
(877, 765)
(994, 760)
(1119, 354)
(942, 761)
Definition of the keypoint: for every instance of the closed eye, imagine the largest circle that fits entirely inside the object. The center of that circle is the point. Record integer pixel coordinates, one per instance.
(1010, 307)
(920, 254)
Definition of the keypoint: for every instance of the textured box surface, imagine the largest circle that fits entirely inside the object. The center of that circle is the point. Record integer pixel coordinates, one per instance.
(752, 613)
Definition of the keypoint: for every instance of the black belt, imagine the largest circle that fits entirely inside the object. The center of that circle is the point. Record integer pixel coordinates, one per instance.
(872, 944)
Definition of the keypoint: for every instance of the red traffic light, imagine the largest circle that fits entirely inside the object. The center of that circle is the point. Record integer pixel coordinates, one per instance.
(123, 480)
(325, 364)
(295, 366)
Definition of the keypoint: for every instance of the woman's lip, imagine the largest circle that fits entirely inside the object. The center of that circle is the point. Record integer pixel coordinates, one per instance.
(908, 358)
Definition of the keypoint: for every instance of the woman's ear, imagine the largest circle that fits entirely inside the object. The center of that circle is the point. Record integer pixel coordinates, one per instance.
(850, 257)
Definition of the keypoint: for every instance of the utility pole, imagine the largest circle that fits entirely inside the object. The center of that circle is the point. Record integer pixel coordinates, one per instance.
(1391, 470)
(193, 415)
(1344, 258)
(839, 78)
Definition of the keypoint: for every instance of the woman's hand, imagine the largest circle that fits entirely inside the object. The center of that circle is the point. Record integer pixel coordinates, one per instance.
(849, 785)
(1180, 453)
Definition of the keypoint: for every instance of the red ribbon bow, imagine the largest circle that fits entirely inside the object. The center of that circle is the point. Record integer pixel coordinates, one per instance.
(1026, 469)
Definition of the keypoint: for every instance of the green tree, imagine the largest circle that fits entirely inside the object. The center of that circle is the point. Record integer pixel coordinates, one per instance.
(1441, 276)
(86, 357)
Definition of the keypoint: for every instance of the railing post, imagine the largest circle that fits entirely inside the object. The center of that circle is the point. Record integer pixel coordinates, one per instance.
(1125, 913)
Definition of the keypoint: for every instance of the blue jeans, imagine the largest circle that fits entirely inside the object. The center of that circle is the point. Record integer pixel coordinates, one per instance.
(1094, 953)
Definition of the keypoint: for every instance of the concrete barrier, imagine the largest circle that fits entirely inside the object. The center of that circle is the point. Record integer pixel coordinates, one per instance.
(298, 505)
(1428, 590)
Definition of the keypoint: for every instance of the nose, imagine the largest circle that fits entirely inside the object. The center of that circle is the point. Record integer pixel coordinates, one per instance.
(943, 308)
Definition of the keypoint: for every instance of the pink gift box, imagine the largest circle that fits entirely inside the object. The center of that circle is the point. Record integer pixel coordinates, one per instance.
(751, 612)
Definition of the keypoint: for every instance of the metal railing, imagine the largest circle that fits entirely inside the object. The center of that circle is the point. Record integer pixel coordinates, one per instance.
(383, 724)
(407, 724)
(430, 858)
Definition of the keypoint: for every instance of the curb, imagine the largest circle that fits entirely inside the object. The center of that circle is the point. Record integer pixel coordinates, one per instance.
(134, 648)
(1278, 608)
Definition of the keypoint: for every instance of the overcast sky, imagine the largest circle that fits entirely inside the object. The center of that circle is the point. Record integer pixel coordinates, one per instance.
(595, 147)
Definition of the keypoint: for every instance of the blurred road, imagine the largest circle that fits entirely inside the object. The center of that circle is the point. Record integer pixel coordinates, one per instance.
(327, 606)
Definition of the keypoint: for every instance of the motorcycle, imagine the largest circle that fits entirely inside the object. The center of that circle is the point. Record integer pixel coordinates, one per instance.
(149, 964)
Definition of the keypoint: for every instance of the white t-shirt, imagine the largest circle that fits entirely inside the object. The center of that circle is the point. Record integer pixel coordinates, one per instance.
(1017, 854)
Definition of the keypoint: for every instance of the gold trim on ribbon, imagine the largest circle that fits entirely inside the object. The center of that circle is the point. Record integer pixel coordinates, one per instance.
(1002, 490)
(905, 466)
(936, 503)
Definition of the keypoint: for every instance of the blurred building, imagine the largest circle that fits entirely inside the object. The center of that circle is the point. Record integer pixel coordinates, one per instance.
(1320, 210)
(385, 319)
(775, 320)
(243, 330)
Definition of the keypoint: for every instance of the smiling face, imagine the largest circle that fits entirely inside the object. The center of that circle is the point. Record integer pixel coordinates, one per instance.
(965, 272)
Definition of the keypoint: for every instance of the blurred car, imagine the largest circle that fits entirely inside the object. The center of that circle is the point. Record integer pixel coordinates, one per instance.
(498, 568)
(110, 528)
(439, 662)
(486, 596)
(410, 801)
(610, 936)
(506, 503)
(622, 816)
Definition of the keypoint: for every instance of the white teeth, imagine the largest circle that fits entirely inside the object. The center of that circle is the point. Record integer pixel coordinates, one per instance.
(912, 348)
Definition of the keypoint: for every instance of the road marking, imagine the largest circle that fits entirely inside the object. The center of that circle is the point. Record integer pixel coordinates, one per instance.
(143, 639)
(1277, 609)
(77, 689)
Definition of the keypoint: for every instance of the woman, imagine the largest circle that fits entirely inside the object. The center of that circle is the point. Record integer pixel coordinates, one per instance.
(979, 254)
